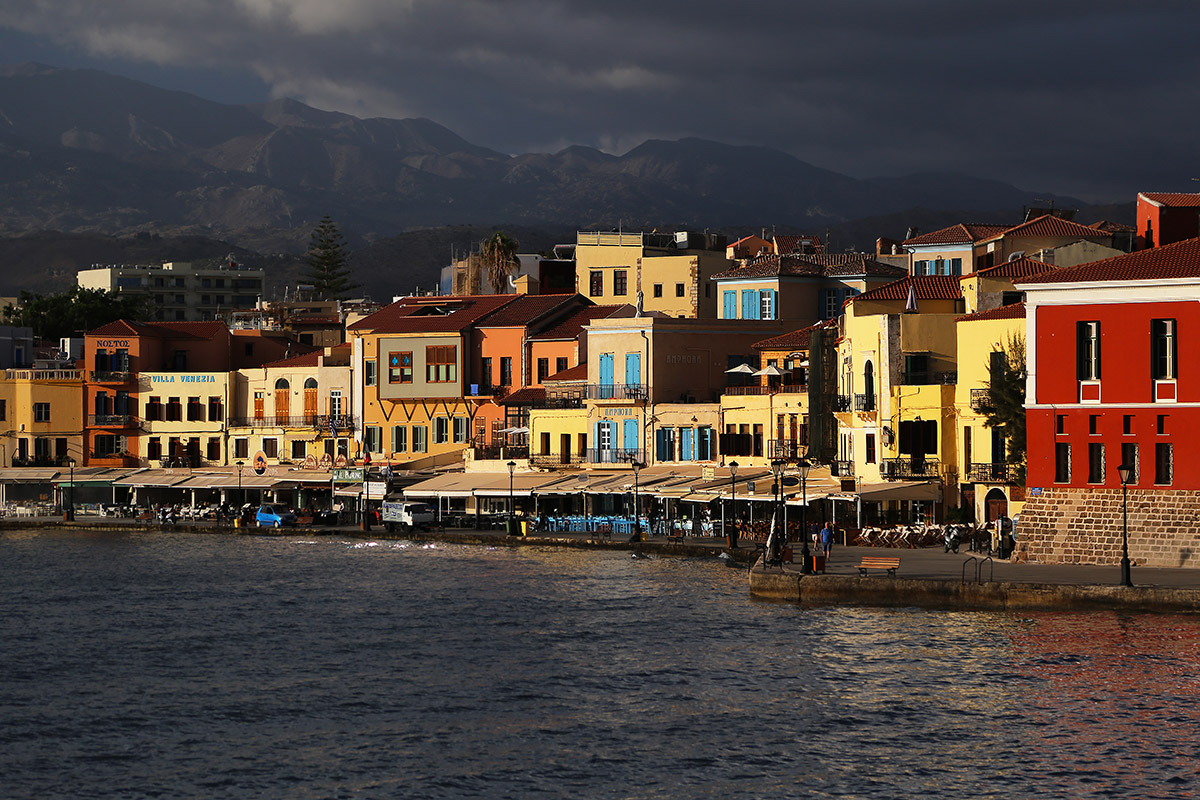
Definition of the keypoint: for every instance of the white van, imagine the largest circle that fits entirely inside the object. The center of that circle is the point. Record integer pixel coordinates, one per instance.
(404, 516)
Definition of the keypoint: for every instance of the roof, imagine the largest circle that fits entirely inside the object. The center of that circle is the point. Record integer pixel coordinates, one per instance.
(962, 233)
(1112, 227)
(796, 340)
(1177, 260)
(1050, 225)
(161, 330)
(569, 327)
(432, 314)
(927, 287)
(524, 396)
(312, 359)
(792, 244)
(1012, 311)
(1172, 199)
(575, 373)
(527, 308)
(812, 265)
(1016, 268)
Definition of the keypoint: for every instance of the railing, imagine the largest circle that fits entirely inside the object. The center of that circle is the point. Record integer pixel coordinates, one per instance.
(786, 448)
(781, 388)
(978, 398)
(113, 420)
(925, 378)
(841, 469)
(41, 461)
(113, 377)
(864, 402)
(901, 468)
(316, 421)
(993, 473)
(117, 459)
(43, 374)
(497, 452)
(615, 455)
(561, 402)
(616, 391)
(841, 402)
(556, 461)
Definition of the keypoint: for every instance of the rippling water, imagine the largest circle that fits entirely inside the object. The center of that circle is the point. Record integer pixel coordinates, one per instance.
(214, 666)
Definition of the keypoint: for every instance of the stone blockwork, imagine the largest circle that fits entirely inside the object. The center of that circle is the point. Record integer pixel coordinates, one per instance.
(1083, 526)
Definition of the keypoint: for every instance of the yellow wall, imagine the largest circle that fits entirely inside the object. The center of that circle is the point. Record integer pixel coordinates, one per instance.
(63, 390)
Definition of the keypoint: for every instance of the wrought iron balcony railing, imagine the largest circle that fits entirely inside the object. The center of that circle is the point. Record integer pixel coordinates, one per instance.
(786, 448)
(615, 455)
(617, 391)
(864, 402)
(978, 398)
(994, 472)
(113, 420)
(926, 378)
(902, 468)
(841, 469)
(341, 422)
(99, 376)
(841, 402)
(556, 461)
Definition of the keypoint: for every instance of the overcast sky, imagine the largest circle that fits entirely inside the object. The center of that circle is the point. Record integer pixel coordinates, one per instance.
(1096, 98)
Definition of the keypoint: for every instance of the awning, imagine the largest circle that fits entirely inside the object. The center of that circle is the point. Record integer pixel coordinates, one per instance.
(881, 492)
(153, 478)
(29, 474)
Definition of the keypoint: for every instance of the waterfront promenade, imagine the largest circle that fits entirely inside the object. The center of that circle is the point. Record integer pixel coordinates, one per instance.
(926, 576)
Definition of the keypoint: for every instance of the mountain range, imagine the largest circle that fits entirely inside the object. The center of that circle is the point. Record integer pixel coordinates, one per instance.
(88, 152)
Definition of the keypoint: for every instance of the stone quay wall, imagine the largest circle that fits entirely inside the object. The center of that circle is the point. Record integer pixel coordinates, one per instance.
(1083, 526)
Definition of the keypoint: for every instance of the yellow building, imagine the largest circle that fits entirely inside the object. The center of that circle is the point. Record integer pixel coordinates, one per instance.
(43, 418)
(183, 418)
(670, 272)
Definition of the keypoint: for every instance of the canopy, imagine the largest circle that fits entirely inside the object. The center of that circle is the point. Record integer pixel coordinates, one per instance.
(741, 369)
(770, 371)
(29, 474)
(513, 431)
(881, 492)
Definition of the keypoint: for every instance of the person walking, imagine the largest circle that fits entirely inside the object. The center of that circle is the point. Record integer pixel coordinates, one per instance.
(827, 539)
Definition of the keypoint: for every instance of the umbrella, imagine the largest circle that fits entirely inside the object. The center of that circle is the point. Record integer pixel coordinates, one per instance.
(770, 371)
(741, 369)
(910, 304)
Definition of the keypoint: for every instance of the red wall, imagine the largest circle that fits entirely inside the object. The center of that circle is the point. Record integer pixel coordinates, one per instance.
(1168, 224)
(1126, 389)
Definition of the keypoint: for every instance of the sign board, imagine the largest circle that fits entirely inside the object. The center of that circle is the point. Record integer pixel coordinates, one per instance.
(375, 490)
(260, 463)
(1035, 491)
(790, 480)
(326, 461)
(310, 461)
(341, 460)
(708, 472)
(750, 487)
(347, 476)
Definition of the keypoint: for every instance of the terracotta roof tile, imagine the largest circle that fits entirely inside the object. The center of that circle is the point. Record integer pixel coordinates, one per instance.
(1112, 227)
(527, 308)
(432, 314)
(1177, 260)
(1017, 268)
(1050, 225)
(792, 244)
(812, 265)
(795, 340)
(575, 373)
(571, 326)
(962, 233)
(1172, 199)
(524, 396)
(1012, 311)
(928, 287)
(161, 330)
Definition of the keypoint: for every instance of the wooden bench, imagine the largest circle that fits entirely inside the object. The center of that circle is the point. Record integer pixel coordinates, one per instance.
(889, 563)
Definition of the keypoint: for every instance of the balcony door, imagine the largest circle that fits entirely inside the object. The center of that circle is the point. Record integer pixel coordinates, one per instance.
(283, 398)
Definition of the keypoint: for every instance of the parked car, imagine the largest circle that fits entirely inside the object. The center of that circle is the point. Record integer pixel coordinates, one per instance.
(274, 516)
(406, 516)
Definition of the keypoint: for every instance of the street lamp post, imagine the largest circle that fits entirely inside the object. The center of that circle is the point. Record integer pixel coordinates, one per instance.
(69, 516)
(241, 497)
(637, 520)
(1126, 473)
(803, 466)
(512, 502)
(777, 536)
(733, 529)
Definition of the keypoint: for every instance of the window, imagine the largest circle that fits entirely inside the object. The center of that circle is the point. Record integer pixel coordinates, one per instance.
(1126, 424)
(1087, 351)
(399, 439)
(829, 308)
(106, 445)
(241, 448)
(259, 400)
(596, 283)
(620, 282)
(370, 372)
(920, 267)
(373, 438)
(270, 448)
(1095, 462)
(664, 444)
(214, 448)
(216, 410)
(1161, 424)
(299, 450)
(154, 449)
(679, 290)
(3, 410)
(195, 411)
(658, 290)
(704, 444)
(174, 409)
(560, 365)
(400, 368)
(1164, 464)
(420, 439)
(460, 430)
(1062, 462)
(154, 409)
(728, 305)
(1060, 423)
(1129, 457)
(766, 303)
(870, 455)
(249, 350)
(1163, 349)
(41, 412)
(441, 430)
(543, 369)
(1093, 424)
(441, 364)
(506, 370)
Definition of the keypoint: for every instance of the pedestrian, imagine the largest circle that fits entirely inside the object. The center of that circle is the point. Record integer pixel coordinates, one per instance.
(827, 539)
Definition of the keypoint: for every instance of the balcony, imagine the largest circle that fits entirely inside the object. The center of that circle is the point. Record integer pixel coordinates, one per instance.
(500, 452)
(112, 460)
(43, 374)
(786, 448)
(98, 376)
(841, 402)
(896, 469)
(615, 455)
(925, 378)
(994, 473)
(841, 469)
(556, 461)
(795, 388)
(320, 422)
(41, 461)
(617, 391)
(978, 398)
(113, 421)
(560, 402)
(864, 402)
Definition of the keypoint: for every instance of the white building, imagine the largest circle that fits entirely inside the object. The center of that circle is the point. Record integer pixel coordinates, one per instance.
(179, 290)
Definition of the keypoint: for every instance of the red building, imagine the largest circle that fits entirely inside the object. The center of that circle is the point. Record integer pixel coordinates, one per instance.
(1166, 218)
(1106, 386)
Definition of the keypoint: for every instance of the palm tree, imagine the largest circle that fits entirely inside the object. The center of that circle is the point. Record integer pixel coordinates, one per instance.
(500, 259)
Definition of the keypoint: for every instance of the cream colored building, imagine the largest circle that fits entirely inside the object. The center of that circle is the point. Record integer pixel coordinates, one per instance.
(179, 290)
(183, 418)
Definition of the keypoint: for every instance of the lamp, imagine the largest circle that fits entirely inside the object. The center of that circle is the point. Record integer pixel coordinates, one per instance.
(1125, 471)
(69, 516)
(776, 538)
(637, 520)
(802, 467)
(241, 496)
(733, 528)
(512, 503)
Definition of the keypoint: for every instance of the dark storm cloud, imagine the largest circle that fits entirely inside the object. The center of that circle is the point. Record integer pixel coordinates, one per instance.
(1095, 98)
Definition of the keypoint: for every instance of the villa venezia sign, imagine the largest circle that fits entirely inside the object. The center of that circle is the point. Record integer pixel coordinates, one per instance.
(183, 378)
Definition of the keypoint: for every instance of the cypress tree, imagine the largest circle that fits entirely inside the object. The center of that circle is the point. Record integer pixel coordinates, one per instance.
(328, 271)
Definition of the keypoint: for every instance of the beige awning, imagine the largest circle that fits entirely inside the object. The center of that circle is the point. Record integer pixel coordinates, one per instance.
(907, 490)
(30, 474)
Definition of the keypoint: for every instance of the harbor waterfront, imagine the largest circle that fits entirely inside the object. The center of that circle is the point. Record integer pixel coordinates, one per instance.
(155, 664)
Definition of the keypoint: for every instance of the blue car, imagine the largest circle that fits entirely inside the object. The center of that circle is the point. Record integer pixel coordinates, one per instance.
(274, 516)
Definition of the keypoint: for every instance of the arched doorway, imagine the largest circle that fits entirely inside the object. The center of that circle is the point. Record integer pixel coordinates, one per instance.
(995, 505)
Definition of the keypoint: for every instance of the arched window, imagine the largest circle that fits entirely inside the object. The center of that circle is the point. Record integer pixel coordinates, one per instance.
(283, 399)
(869, 386)
(310, 400)
(282, 384)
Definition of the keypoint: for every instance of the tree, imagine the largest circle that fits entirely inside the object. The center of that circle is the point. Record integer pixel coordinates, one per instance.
(328, 271)
(77, 310)
(1004, 406)
(500, 259)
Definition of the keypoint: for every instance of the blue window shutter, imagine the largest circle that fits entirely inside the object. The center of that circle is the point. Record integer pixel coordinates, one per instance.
(774, 304)
(630, 435)
(633, 368)
(729, 298)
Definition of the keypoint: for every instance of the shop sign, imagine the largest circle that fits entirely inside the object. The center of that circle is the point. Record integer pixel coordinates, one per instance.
(353, 475)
